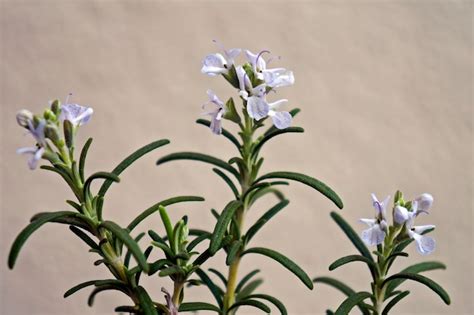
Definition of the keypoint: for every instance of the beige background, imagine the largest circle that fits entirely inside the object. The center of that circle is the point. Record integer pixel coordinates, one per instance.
(386, 93)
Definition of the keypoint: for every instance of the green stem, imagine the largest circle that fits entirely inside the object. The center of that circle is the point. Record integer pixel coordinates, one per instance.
(246, 182)
(178, 289)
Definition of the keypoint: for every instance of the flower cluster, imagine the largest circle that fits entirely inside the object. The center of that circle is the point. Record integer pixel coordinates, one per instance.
(404, 215)
(46, 127)
(254, 81)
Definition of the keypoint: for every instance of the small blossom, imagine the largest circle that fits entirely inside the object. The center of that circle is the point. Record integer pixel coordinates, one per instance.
(24, 118)
(78, 115)
(274, 78)
(424, 244)
(215, 64)
(37, 151)
(216, 114)
(424, 202)
(400, 214)
(376, 232)
(258, 108)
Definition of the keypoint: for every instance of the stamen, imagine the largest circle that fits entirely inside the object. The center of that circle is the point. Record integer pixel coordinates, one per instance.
(67, 98)
(273, 58)
(219, 44)
(259, 55)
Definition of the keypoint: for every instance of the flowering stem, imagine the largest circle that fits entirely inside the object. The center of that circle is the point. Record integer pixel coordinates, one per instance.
(245, 182)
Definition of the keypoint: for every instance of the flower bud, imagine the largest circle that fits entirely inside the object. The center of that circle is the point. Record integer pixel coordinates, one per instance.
(24, 118)
(69, 133)
(400, 215)
(49, 115)
(425, 201)
(56, 107)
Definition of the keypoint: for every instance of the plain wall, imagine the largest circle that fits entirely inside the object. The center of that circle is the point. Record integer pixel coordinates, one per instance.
(385, 89)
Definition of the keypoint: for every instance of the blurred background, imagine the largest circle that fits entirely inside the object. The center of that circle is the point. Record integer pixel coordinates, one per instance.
(385, 89)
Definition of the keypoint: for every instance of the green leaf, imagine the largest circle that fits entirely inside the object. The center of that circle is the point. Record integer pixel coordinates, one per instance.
(198, 306)
(221, 225)
(167, 202)
(352, 235)
(104, 175)
(29, 229)
(128, 255)
(253, 303)
(195, 242)
(146, 303)
(78, 287)
(170, 271)
(264, 219)
(307, 180)
(127, 309)
(225, 133)
(82, 159)
(284, 261)
(245, 279)
(158, 265)
(233, 252)
(272, 134)
(416, 268)
(347, 259)
(424, 280)
(352, 301)
(281, 307)
(219, 275)
(394, 301)
(75, 205)
(215, 290)
(228, 181)
(199, 157)
(129, 160)
(127, 240)
(254, 196)
(230, 112)
(346, 290)
(90, 300)
(249, 289)
(83, 236)
(75, 219)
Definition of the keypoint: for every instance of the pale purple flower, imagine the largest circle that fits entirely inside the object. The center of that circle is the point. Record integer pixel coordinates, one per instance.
(216, 113)
(424, 244)
(274, 78)
(215, 64)
(24, 117)
(37, 151)
(377, 230)
(78, 115)
(258, 108)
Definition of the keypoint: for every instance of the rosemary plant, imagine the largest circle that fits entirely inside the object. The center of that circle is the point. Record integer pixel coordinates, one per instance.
(391, 241)
(113, 244)
(54, 133)
(241, 173)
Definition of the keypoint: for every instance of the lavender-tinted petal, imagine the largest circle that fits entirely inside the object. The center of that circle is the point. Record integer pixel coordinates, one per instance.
(373, 235)
(257, 108)
(281, 120)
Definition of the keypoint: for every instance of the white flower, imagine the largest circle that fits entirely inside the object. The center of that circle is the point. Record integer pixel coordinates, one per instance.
(78, 115)
(24, 117)
(376, 232)
(258, 108)
(274, 78)
(424, 202)
(37, 151)
(424, 244)
(215, 64)
(216, 114)
(400, 214)
(278, 77)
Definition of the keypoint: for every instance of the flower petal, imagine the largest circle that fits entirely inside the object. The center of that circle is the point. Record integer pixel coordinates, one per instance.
(373, 236)
(281, 120)
(400, 214)
(425, 245)
(214, 65)
(425, 201)
(369, 222)
(278, 77)
(419, 229)
(257, 107)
